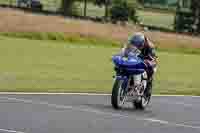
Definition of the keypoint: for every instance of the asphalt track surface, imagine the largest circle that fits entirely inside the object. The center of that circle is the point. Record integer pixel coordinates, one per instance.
(94, 114)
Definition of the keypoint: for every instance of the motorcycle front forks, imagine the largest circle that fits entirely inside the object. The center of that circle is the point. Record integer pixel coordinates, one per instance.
(136, 86)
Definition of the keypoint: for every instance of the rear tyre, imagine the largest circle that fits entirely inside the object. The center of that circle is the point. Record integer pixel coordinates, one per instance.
(144, 101)
(148, 91)
(118, 94)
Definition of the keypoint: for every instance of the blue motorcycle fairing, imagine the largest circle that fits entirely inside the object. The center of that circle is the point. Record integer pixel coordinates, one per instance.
(131, 64)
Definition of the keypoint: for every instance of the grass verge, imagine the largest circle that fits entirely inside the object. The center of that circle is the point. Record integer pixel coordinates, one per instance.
(62, 37)
(93, 41)
(50, 66)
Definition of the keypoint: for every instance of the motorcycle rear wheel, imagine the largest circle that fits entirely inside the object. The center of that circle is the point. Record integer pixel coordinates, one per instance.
(141, 104)
(145, 100)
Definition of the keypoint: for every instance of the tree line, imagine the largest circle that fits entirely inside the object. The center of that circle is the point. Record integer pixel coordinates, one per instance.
(125, 10)
(115, 10)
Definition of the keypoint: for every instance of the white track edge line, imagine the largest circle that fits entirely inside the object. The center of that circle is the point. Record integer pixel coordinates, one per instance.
(83, 94)
(10, 131)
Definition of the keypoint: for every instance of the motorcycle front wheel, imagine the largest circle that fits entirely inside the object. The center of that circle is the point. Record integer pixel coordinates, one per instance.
(118, 94)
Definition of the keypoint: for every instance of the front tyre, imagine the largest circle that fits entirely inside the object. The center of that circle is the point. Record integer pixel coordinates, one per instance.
(118, 94)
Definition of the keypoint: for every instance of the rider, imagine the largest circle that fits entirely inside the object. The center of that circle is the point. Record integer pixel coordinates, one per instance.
(147, 52)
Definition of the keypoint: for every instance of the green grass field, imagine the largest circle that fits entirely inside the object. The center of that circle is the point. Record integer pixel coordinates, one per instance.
(9, 2)
(50, 66)
(164, 20)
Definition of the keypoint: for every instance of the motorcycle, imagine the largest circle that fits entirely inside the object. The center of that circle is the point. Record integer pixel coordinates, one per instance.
(131, 83)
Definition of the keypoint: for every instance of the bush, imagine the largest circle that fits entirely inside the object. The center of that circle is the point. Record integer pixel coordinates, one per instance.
(188, 20)
(101, 3)
(68, 7)
(121, 10)
(132, 5)
(183, 21)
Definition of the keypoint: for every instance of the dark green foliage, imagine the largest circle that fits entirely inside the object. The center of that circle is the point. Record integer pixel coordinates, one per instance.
(101, 3)
(184, 21)
(188, 21)
(121, 10)
(195, 7)
(132, 13)
(141, 1)
(68, 7)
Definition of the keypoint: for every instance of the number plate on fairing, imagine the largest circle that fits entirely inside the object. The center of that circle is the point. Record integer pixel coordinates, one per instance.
(125, 58)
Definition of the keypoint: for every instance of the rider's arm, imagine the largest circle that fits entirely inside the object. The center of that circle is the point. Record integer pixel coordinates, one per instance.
(124, 50)
(152, 51)
(152, 55)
